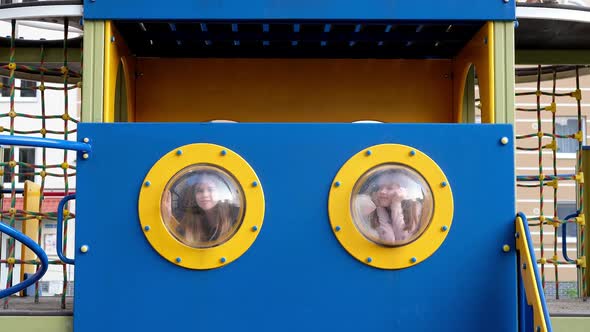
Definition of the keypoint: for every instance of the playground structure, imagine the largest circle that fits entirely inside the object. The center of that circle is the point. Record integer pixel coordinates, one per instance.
(141, 68)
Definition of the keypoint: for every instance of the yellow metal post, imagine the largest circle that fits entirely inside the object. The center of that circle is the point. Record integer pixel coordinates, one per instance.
(31, 203)
(584, 274)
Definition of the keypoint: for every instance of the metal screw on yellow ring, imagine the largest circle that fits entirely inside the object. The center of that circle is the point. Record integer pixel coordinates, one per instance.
(150, 197)
(345, 230)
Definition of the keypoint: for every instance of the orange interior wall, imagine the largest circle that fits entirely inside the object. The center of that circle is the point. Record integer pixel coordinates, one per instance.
(293, 90)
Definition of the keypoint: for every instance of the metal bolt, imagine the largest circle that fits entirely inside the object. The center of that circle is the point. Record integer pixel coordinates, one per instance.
(506, 248)
(178, 260)
(443, 184)
(86, 140)
(222, 260)
(369, 259)
(337, 228)
(369, 152)
(412, 153)
(444, 228)
(147, 183)
(524, 266)
(337, 184)
(413, 260)
(504, 140)
(516, 235)
(84, 249)
(112, 39)
(223, 152)
(254, 228)
(178, 152)
(254, 184)
(506, 1)
(85, 156)
(147, 228)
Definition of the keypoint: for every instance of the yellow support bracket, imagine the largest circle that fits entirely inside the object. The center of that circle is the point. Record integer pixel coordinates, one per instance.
(552, 108)
(580, 177)
(552, 145)
(553, 183)
(577, 94)
(579, 136)
(581, 262)
(581, 220)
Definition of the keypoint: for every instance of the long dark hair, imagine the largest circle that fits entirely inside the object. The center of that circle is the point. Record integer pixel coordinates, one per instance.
(196, 225)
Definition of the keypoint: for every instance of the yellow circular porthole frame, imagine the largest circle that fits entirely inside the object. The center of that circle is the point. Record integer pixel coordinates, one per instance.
(153, 187)
(367, 251)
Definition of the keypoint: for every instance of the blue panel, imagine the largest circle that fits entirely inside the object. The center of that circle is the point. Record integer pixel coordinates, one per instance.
(300, 9)
(296, 276)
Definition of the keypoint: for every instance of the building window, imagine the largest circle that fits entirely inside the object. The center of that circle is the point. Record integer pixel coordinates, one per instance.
(568, 125)
(5, 87)
(23, 173)
(565, 209)
(28, 89)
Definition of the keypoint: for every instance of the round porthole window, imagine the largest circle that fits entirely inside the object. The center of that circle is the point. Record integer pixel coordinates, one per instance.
(201, 206)
(390, 206)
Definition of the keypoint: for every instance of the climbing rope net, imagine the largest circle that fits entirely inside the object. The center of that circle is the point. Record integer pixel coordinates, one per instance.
(12, 167)
(546, 180)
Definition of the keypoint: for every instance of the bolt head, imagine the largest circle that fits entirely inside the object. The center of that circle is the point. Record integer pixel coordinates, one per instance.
(86, 140)
(412, 153)
(369, 259)
(147, 183)
(504, 140)
(254, 184)
(337, 228)
(178, 152)
(147, 228)
(337, 184)
(506, 248)
(222, 260)
(223, 152)
(178, 260)
(84, 249)
(444, 228)
(369, 152)
(443, 184)
(413, 260)
(85, 156)
(254, 228)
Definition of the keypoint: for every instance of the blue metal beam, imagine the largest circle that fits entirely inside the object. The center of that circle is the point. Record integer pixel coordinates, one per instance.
(489, 10)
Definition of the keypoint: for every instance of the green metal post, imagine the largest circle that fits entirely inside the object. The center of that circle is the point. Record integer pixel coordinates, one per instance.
(504, 71)
(93, 71)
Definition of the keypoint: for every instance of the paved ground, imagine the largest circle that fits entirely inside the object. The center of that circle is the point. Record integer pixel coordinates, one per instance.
(26, 306)
(52, 306)
(569, 307)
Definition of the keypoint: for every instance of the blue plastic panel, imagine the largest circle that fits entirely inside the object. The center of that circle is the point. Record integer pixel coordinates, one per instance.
(296, 276)
(300, 9)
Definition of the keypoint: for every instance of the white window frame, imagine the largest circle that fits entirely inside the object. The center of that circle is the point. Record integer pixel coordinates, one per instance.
(572, 155)
(568, 239)
(19, 185)
(17, 95)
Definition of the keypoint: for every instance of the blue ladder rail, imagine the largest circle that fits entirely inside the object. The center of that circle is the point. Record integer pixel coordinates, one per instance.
(27, 241)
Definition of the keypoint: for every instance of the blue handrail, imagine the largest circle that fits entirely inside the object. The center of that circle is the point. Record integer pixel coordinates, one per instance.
(44, 143)
(60, 218)
(563, 238)
(27, 241)
(536, 270)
